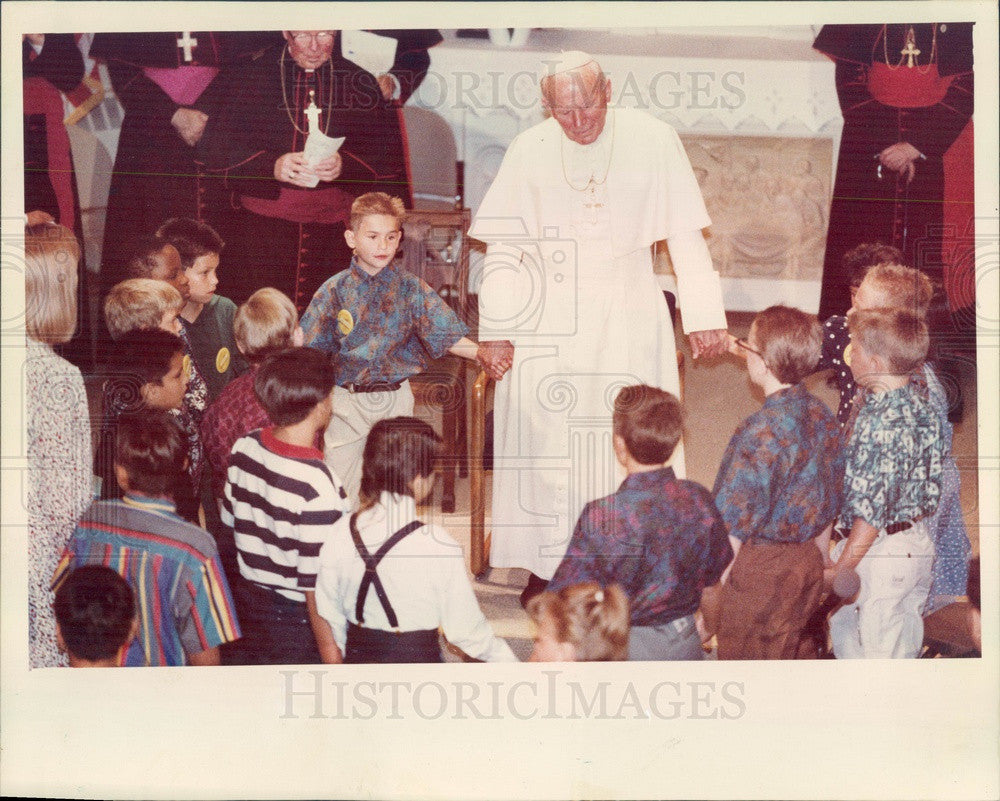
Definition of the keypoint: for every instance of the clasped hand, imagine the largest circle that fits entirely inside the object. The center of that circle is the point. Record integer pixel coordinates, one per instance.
(292, 168)
(901, 158)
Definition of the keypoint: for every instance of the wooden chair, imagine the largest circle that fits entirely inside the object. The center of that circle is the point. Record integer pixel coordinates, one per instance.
(436, 248)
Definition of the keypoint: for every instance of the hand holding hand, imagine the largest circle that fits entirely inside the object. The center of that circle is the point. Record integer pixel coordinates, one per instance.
(710, 343)
(293, 169)
(189, 124)
(495, 357)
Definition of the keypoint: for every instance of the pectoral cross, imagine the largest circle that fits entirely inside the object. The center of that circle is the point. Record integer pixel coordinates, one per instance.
(591, 200)
(910, 49)
(312, 113)
(186, 43)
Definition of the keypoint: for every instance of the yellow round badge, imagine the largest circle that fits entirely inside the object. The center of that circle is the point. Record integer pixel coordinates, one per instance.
(222, 360)
(847, 353)
(345, 322)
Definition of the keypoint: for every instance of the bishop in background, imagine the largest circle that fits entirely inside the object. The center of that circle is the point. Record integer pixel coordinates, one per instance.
(570, 223)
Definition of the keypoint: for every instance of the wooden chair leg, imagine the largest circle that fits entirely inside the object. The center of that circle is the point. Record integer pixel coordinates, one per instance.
(449, 415)
(478, 556)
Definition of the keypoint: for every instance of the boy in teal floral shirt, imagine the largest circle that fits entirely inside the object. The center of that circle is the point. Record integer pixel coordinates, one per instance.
(384, 325)
(892, 486)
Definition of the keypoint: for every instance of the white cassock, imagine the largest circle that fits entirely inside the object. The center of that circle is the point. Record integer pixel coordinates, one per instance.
(568, 278)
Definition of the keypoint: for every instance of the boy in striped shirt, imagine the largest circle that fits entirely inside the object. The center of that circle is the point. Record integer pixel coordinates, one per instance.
(280, 501)
(185, 608)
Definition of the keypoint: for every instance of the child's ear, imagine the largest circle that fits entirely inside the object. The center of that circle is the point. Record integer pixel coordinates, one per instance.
(298, 336)
(620, 448)
(350, 238)
(121, 476)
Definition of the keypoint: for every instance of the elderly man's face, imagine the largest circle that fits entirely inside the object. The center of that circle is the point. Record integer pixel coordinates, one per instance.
(310, 49)
(579, 102)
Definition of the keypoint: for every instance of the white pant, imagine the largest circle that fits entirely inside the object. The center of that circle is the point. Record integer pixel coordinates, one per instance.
(354, 414)
(885, 621)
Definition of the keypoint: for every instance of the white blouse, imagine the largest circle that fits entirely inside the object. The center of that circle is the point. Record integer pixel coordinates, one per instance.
(424, 578)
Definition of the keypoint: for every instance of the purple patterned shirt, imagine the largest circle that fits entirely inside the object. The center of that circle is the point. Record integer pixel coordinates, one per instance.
(659, 537)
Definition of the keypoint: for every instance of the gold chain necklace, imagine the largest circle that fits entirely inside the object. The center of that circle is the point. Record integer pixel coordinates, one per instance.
(288, 108)
(592, 180)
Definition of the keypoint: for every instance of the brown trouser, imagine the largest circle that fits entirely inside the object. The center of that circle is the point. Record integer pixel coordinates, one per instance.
(772, 591)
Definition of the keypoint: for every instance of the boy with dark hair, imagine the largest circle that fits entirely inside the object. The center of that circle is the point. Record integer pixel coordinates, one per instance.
(778, 489)
(95, 617)
(659, 537)
(892, 487)
(185, 607)
(280, 500)
(384, 325)
(155, 257)
(207, 317)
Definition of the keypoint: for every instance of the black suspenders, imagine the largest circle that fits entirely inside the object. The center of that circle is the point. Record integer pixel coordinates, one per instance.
(371, 563)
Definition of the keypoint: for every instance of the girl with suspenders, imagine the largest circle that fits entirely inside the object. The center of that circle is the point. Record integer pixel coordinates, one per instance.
(388, 581)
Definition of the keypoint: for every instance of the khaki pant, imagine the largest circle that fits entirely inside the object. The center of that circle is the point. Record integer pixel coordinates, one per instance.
(354, 414)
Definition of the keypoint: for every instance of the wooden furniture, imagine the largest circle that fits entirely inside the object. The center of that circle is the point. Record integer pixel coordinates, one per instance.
(436, 248)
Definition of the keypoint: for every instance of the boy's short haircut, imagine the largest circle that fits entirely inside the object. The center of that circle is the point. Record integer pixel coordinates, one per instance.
(52, 255)
(95, 609)
(650, 421)
(376, 203)
(290, 384)
(264, 324)
(139, 303)
(192, 238)
(790, 341)
(901, 287)
(140, 357)
(397, 450)
(142, 259)
(898, 336)
(595, 621)
(152, 449)
(860, 259)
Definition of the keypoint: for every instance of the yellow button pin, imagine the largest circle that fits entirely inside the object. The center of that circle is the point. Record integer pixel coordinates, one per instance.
(222, 359)
(345, 322)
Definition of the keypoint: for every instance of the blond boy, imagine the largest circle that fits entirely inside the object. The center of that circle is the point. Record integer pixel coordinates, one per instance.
(892, 486)
(384, 325)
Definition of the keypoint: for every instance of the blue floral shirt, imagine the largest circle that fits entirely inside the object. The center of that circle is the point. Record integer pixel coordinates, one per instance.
(895, 454)
(781, 475)
(382, 328)
(660, 538)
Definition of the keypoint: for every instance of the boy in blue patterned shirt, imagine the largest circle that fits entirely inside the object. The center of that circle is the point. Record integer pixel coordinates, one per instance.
(384, 325)
(779, 490)
(892, 487)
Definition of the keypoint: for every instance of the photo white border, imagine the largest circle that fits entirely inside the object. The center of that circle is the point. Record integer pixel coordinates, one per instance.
(923, 728)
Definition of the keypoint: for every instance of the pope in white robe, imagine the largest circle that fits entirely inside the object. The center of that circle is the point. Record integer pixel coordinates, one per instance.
(570, 222)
